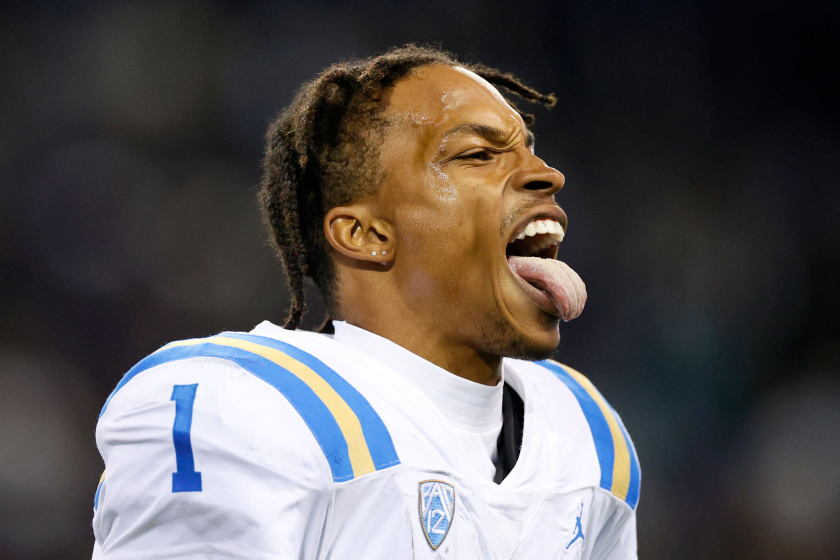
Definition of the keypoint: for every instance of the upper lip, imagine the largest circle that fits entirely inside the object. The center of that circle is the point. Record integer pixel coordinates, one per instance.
(549, 211)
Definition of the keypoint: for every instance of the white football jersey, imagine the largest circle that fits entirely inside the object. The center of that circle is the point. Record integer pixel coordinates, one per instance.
(288, 445)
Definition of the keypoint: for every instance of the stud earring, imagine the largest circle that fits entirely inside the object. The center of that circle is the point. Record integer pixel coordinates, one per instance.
(384, 252)
(373, 254)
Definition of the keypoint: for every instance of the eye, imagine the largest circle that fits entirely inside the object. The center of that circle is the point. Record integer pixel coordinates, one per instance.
(480, 154)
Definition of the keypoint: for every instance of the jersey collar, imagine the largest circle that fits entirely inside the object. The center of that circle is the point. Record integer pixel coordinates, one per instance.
(466, 405)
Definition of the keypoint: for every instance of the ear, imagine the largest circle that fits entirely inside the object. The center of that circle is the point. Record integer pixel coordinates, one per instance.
(354, 232)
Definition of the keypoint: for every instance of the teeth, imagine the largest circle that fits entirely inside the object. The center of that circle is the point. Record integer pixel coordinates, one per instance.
(544, 227)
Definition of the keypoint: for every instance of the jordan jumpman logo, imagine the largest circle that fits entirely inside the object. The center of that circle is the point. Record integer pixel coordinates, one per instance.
(578, 529)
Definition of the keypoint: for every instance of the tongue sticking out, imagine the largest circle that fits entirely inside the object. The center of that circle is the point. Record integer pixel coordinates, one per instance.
(554, 280)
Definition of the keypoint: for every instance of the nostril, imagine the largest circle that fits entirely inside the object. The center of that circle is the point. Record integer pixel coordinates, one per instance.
(539, 186)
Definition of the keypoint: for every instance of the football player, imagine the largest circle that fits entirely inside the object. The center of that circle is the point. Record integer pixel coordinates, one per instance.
(424, 421)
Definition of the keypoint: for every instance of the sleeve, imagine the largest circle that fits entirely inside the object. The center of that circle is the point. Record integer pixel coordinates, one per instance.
(205, 460)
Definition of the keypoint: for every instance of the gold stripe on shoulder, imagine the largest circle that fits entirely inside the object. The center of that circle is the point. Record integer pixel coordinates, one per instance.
(621, 461)
(348, 422)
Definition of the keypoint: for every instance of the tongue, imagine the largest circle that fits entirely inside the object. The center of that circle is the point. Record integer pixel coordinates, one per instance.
(562, 284)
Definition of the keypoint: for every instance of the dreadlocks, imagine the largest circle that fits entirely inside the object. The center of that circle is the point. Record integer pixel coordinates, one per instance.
(323, 152)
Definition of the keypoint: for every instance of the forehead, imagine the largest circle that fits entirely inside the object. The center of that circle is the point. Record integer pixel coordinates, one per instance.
(435, 98)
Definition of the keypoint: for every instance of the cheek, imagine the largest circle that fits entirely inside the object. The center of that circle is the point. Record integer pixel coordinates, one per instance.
(448, 266)
(442, 190)
(434, 239)
(447, 234)
(446, 238)
(439, 250)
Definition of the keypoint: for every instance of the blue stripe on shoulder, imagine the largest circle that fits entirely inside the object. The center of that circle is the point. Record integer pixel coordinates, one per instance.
(314, 412)
(635, 470)
(148, 362)
(376, 434)
(597, 423)
(96, 496)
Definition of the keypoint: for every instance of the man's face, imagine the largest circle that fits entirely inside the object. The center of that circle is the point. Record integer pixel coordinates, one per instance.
(461, 183)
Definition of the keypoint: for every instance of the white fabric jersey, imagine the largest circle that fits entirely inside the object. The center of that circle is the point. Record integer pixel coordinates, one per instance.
(290, 445)
(474, 410)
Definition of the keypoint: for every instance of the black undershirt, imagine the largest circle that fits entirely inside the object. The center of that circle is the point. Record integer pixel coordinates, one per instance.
(510, 438)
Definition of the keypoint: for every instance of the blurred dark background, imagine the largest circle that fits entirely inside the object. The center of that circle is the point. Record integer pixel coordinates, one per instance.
(701, 147)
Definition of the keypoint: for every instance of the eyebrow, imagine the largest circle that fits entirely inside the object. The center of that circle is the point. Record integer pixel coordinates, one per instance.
(489, 133)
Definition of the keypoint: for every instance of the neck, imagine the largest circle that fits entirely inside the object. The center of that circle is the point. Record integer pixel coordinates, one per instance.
(434, 345)
(426, 332)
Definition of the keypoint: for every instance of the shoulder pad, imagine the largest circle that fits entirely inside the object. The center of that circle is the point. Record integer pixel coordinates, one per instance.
(351, 434)
(620, 472)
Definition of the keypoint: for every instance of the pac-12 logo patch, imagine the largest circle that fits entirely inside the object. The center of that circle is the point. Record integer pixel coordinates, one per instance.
(437, 510)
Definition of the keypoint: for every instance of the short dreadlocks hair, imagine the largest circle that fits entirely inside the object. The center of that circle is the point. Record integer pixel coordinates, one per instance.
(322, 151)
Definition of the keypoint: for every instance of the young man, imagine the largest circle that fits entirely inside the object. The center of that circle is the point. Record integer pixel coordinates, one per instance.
(407, 187)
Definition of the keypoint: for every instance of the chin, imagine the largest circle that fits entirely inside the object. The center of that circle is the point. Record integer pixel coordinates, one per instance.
(523, 342)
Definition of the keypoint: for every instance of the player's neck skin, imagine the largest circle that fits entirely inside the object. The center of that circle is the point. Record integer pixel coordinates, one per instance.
(418, 333)
(451, 196)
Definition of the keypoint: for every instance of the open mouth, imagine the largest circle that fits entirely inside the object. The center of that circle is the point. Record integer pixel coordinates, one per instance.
(540, 238)
(552, 285)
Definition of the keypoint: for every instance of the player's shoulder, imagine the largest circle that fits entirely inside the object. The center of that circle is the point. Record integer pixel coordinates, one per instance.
(236, 431)
(230, 365)
(588, 419)
(262, 384)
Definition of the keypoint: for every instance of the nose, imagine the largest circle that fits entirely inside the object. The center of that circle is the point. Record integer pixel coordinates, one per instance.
(537, 176)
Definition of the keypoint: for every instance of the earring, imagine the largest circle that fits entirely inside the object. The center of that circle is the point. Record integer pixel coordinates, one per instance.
(384, 252)
(373, 254)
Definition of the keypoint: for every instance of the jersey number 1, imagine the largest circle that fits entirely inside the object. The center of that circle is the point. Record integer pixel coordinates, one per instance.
(185, 479)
